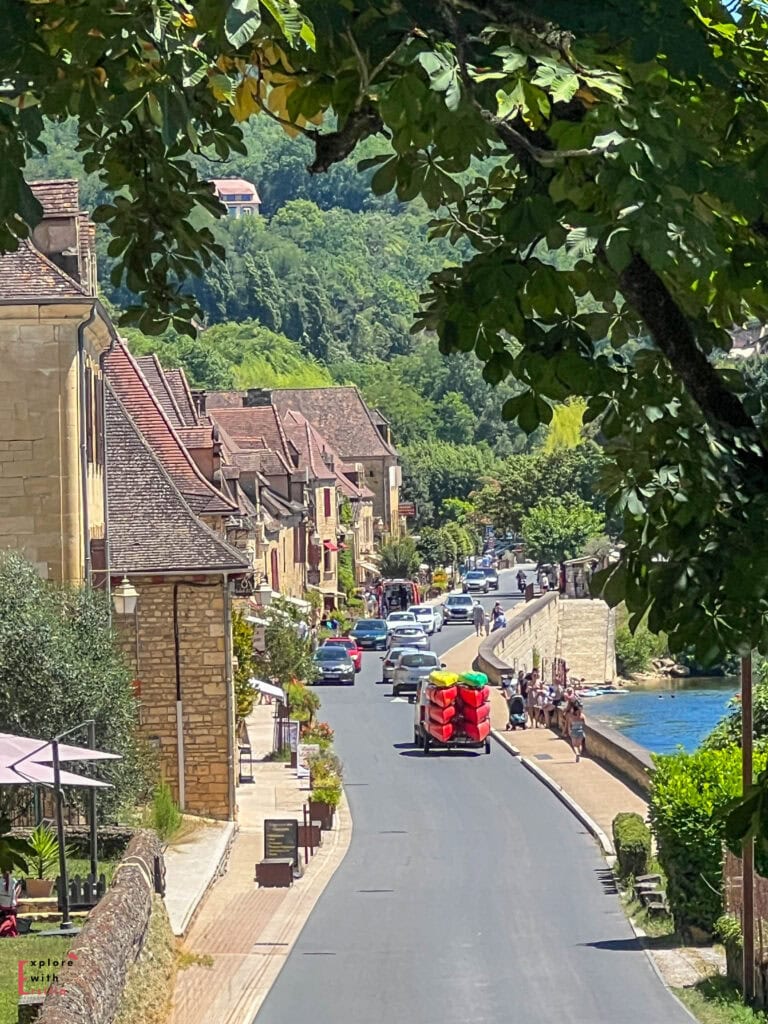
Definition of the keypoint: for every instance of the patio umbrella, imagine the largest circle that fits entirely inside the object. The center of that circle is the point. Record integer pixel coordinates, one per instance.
(27, 748)
(32, 774)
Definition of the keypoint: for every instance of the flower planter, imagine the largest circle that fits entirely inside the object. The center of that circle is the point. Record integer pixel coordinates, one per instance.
(322, 812)
(38, 888)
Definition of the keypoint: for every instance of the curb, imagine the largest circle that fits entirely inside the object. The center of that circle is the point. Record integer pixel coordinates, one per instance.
(578, 812)
(181, 926)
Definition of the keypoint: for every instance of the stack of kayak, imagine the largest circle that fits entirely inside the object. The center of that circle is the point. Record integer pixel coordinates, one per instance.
(458, 707)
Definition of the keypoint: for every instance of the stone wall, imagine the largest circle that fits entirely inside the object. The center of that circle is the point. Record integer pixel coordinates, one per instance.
(204, 679)
(110, 942)
(631, 762)
(534, 627)
(40, 489)
(587, 639)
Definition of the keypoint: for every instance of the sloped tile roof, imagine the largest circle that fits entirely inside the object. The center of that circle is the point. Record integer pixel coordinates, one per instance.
(340, 415)
(151, 526)
(132, 389)
(258, 427)
(155, 377)
(312, 447)
(226, 187)
(29, 275)
(177, 381)
(197, 437)
(57, 196)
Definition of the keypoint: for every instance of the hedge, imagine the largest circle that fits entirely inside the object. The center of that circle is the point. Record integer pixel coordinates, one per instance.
(687, 792)
(632, 840)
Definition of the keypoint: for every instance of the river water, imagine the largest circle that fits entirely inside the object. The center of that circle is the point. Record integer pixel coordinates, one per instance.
(667, 714)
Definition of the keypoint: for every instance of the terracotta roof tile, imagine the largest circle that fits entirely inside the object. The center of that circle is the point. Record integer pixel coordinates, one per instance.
(155, 377)
(58, 197)
(28, 274)
(132, 389)
(340, 415)
(151, 526)
(177, 381)
(197, 437)
(257, 427)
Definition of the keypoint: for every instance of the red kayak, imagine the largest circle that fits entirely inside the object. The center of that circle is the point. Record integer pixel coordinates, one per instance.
(477, 731)
(441, 716)
(442, 696)
(440, 732)
(472, 697)
(476, 715)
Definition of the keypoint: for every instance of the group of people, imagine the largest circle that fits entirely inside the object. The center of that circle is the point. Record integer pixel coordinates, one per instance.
(487, 622)
(541, 702)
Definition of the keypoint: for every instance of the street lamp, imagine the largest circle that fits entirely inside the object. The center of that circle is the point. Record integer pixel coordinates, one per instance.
(125, 596)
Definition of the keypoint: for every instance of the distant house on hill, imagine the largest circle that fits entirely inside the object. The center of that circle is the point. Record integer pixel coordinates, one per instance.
(239, 196)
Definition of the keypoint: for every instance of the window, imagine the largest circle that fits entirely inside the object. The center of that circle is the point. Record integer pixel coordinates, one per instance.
(327, 560)
(327, 502)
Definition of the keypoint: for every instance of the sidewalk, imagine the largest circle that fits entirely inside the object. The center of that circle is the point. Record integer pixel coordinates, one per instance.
(248, 932)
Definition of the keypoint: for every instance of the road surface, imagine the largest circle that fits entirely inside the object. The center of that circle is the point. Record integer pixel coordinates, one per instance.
(469, 894)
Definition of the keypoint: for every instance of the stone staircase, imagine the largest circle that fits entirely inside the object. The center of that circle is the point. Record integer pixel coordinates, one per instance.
(587, 630)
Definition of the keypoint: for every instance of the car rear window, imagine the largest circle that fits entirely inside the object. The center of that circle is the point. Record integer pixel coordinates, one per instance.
(459, 600)
(366, 625)
(336, 652)
(418, 660)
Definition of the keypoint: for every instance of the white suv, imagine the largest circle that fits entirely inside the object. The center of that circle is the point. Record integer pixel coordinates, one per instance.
(458, 608)
(425, 616)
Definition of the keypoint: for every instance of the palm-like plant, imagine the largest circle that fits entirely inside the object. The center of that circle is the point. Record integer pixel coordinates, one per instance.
(14, 852)
(44, 851)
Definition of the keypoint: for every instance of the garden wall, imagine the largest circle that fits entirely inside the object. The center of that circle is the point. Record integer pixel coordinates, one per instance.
(110, 942)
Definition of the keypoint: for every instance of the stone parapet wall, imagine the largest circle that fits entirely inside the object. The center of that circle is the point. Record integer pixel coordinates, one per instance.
(534, 626)
(627, 759)
(110, 942)
(588, 638)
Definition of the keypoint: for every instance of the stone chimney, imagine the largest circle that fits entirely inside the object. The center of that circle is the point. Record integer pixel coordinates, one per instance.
(257, 397)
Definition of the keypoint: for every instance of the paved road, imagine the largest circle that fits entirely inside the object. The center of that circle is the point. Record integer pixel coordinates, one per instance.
(469, 894)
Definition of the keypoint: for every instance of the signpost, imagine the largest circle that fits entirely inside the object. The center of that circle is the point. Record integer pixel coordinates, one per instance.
(281, 839)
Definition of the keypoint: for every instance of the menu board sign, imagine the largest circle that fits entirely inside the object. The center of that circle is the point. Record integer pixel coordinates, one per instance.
(281, 838)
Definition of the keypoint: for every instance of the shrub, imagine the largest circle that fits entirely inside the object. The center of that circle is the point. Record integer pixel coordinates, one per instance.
(632, 839)
(328, 792)
(325, 766)
(635, 651)
(304, 703)
(687, 793)
(317, 732)
(166, 816)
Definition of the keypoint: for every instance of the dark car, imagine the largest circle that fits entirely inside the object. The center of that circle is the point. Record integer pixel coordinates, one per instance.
(351, 646)
(334, 665)
(371, 634)
(492, 577)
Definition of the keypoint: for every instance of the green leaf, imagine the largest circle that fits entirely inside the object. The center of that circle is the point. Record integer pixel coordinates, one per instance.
(383, 180)
(242, 19)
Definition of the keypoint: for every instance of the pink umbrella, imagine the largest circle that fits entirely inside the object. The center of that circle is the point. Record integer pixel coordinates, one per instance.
(32, 774)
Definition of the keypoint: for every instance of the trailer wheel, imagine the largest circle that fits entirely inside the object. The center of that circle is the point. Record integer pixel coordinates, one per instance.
(426, 744)
(487, 746)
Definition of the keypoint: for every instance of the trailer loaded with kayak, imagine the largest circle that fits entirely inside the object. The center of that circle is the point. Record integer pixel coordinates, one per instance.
(453, 712)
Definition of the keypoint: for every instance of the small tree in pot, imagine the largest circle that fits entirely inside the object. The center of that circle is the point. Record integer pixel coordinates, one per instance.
(43, 860)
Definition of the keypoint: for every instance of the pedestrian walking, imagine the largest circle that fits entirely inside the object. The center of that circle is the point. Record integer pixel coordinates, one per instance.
(577, 729)
(486, 621)
(530, 702)
(478, 619)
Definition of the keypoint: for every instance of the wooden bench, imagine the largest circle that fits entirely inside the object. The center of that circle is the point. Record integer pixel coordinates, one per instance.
(275, 872)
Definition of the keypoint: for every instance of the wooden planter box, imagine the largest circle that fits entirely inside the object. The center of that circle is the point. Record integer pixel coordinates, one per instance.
(38, 888)
(322, 812)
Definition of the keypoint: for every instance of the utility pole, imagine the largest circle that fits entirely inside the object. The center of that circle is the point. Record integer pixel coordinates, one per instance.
(748, 847)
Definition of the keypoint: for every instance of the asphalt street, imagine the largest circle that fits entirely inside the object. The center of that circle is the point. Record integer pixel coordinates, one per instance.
(469, 894)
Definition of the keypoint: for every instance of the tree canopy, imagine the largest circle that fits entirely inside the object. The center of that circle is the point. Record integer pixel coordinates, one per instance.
(558, 528)
(599, 167)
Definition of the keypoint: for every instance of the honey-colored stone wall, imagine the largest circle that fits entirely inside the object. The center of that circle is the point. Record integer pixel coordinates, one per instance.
(41, 508)
(208, 730)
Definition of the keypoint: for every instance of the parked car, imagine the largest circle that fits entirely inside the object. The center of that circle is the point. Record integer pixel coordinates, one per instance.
(395, 618)
(390, 659)
(492, 577)
(409, 634)
(475, 580)
(458, 608)
(351, 647)
(410, 668)
(333, 665)
(371, 634)
(425, 616)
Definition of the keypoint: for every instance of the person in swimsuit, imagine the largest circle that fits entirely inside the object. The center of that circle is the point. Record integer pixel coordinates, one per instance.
(577, 729)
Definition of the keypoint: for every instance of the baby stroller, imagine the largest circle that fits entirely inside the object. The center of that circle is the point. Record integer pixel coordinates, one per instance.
(516, 713)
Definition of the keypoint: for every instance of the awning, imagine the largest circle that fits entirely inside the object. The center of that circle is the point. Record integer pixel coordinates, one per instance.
(369, 566)
(304, 605)
(330, 546)
(254, 621)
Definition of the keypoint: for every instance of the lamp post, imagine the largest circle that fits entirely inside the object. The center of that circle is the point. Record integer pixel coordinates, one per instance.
(125, 598)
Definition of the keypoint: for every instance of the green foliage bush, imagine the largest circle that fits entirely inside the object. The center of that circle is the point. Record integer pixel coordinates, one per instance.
(242, 648)
(632, 840)
(635, 651)
(317, 732)
(327, 791)
(728, 729)
(166, 817)
(687, 793)
(304, 703)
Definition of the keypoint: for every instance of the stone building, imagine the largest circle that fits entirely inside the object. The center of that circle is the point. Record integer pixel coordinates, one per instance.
(341, 416)
(167, 535)
(53, 331)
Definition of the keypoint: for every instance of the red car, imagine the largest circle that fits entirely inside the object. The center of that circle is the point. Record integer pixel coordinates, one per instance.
(355, 652)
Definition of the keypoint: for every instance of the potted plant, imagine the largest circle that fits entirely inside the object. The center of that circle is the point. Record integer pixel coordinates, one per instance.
(324, 800)
(43, 859)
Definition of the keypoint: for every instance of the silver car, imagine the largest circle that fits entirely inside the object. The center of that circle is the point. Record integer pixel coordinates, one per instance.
(391, 659)
(409, 635)
(411, 667)
(425, 616)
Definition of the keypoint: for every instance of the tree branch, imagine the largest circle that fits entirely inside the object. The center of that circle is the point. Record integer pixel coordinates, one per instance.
(644, 290)
(332, 147)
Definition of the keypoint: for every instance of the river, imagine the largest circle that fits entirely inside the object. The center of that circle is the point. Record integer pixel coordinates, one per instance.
(667, 714)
